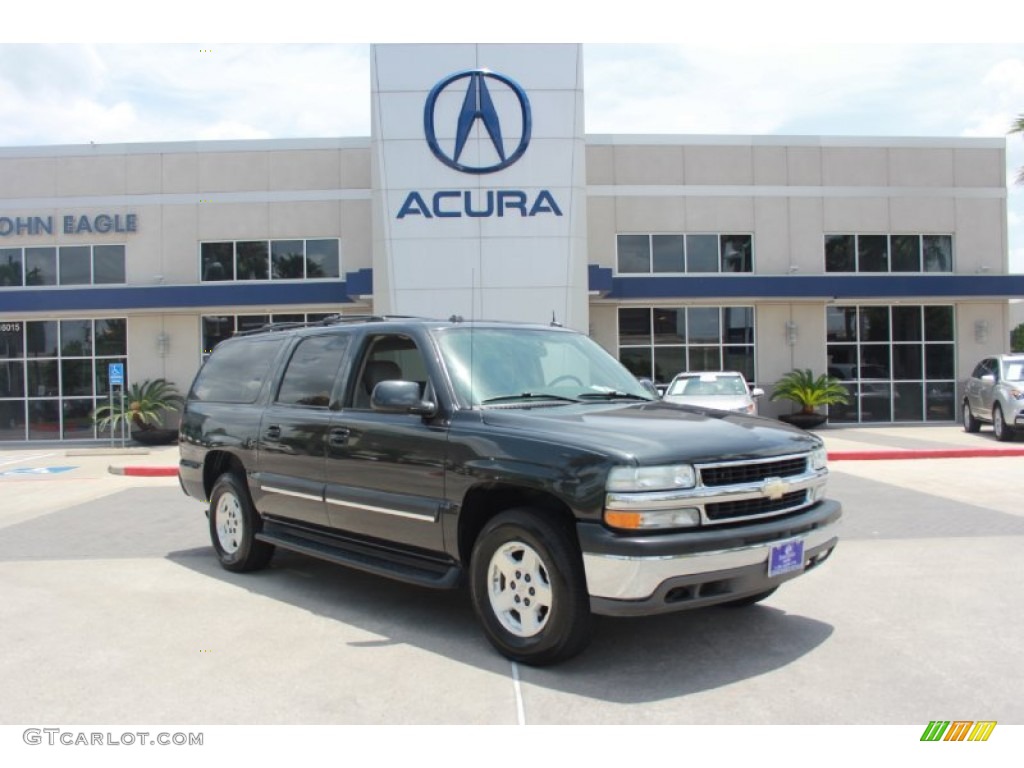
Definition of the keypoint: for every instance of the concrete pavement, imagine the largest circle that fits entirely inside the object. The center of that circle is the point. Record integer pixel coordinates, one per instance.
(115, 611)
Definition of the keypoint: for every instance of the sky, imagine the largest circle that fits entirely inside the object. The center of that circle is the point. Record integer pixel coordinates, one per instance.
(782, 70)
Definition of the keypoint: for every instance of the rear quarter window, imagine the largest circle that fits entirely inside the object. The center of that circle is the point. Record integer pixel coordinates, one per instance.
(235, 372)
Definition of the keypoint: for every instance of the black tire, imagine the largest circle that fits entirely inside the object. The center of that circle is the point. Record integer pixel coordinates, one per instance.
(531, 562)
(970, 423)
(1004, 433)
(745, 602)
(234, 524)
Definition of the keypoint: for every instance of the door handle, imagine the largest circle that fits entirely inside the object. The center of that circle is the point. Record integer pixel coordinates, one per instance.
(273, 432)
(339, 437)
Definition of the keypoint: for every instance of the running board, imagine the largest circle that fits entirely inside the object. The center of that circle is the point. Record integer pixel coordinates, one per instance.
(404, 566)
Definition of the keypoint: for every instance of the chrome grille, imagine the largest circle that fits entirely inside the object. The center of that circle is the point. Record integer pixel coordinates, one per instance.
(727, 510)
(751, 472)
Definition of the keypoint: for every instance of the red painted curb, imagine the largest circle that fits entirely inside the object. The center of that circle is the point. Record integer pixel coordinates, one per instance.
(145, 471)
(927, 453)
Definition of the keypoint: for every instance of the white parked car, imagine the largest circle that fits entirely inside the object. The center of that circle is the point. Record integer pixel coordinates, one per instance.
(725, 390)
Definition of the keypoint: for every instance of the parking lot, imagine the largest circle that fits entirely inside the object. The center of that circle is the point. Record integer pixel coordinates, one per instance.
(115, 611)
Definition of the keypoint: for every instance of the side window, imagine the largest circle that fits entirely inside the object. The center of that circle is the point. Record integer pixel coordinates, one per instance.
(309, 377)
(235, 372)
(388, 358)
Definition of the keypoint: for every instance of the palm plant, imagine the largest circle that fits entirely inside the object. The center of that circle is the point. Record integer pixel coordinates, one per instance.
(1018, 127)
(143, 406)
(810, 392)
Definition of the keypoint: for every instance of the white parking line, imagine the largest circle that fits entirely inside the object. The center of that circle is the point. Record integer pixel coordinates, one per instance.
(520, 709)
(29, 457)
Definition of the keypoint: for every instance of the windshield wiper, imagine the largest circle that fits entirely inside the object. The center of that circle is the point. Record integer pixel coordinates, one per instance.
(528, 396)
(613, 396)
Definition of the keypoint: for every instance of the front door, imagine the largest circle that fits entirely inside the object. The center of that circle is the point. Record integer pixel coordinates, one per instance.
(385, 471)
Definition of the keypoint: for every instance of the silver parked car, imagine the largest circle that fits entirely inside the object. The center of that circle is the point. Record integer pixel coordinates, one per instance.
(995, 394)
(725, 390)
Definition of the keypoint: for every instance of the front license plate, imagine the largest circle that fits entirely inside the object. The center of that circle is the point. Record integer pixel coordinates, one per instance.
(786, 557)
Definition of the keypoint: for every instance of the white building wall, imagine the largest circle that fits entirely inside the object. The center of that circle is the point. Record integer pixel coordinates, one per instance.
(508, 266)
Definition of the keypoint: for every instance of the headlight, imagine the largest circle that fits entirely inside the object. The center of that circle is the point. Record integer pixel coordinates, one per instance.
(685, 517)
(664, 478)
(819, 458)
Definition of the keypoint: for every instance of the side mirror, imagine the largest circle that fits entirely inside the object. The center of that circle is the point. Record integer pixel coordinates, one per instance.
(988, 378)
(756, 392)
(401, 397)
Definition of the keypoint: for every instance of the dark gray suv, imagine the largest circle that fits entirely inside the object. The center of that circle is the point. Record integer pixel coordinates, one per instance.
(995, 394)
(523, 460)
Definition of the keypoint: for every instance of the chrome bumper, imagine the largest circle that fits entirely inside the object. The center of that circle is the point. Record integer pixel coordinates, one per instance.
(634, 575)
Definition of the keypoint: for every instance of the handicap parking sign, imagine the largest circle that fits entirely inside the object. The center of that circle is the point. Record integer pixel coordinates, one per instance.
(116, 374)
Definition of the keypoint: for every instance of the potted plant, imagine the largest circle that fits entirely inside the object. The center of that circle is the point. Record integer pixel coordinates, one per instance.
(809, 392)
(142, 410)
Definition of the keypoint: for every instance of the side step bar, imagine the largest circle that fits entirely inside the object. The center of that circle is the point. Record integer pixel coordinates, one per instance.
(404, 566)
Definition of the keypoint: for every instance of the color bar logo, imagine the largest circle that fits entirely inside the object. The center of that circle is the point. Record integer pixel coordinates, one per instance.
(958, 730)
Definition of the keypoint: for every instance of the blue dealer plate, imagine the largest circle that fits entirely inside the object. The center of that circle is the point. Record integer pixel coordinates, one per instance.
(786, 557)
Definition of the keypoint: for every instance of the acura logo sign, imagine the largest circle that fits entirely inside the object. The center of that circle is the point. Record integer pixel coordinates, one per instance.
(478, 110)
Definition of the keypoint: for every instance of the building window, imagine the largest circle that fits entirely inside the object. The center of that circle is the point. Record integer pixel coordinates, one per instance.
(898, 362)
(684, 254)
(64, 265)
(53, 374)
(658, 342)
(314, 259)
(888, 253)
(216, 328)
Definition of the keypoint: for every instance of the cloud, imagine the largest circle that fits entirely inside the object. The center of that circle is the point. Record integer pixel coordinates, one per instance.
(76, 94)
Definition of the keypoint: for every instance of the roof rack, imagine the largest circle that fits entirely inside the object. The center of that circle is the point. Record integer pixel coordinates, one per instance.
(329, 320)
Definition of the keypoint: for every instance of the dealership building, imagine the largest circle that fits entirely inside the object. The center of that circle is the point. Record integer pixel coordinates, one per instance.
(883, 261)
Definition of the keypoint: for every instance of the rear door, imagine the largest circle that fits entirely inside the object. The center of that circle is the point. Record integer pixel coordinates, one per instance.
(294, 428)
(385, 471)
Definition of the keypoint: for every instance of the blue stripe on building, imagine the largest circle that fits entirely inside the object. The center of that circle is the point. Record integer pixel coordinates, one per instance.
(241, 294)
(825, 287)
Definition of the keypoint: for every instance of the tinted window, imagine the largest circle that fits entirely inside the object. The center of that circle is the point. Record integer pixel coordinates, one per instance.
(235, 372)
(108, 264)
(75, 265)
(309, 377)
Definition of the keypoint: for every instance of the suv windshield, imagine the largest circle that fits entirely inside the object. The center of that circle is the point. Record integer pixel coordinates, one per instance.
(492, 365)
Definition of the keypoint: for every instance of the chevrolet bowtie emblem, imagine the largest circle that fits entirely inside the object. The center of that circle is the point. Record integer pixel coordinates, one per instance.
(774, 488)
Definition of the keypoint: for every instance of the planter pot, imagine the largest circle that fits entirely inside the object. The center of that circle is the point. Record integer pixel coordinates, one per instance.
(155, 436)
(804, 420)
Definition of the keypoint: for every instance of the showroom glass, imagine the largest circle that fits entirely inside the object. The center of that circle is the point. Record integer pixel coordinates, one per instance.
(40, 266)
(293, 259)
(644, 254)
(75, 265)
(888, 253)
(67, 265)
(53, 374)
(898, 362)
(658, 342)
(11, 271)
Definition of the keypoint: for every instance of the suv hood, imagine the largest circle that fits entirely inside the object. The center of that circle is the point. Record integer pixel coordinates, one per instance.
(656, 432)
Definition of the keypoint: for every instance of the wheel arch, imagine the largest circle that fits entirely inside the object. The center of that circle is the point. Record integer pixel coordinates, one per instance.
(485, 501)
(216, 464)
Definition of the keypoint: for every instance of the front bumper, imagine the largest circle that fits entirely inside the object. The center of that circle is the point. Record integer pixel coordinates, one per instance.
(641, 575)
